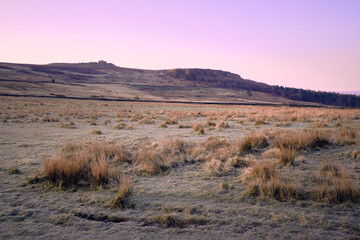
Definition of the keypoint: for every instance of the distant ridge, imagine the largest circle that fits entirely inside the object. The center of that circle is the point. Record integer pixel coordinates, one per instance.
(103, 80)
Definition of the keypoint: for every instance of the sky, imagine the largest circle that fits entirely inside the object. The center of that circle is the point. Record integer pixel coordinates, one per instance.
(309, 44)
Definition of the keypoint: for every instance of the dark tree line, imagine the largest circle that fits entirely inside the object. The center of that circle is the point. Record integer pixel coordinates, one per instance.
(222, 79)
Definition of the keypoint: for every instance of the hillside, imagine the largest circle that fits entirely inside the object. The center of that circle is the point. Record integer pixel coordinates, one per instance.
(102, 80)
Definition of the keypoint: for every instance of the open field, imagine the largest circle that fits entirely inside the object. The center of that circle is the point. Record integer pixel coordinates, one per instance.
(127, 170)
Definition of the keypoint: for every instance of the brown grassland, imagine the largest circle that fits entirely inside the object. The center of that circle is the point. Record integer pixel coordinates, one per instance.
(126, 170)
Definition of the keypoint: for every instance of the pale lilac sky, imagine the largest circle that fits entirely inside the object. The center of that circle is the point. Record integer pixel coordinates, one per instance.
(311, 44)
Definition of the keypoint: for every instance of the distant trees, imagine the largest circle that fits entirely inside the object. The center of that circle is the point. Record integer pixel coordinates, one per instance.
(222, 79)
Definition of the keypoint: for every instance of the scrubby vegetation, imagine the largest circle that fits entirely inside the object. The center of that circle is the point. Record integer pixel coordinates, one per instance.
(210, 168)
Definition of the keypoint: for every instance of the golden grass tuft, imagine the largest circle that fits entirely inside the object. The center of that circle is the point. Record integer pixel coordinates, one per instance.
(335, 185)
(13, 170)
(259, 171)
(90, 164)
(198, 128)
(163, 125)
(347, 135)
(215, 167)
(96, 132)
(66, 171)
(276, 188)
(120, 125)
(146, 120)
(125, 189)
(250, 142)
(263, 179)
(286, 155)
(221, 125)
(150, 161)
(100, 172)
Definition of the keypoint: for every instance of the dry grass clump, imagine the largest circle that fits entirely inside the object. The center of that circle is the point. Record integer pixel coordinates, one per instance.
(150, 160)
(163, 125)
(215, 167)
(92, 122)
(120, 125)
(226, 186)
(173, 221)
(96, 132)
(114, 152)
(171, 121)
(286, 155)
(347, 135)
(287, 139)
(66, 171)
(157, 157)
(250, 142)
(67, 125)
(263, 180)
(106, 122)
(221, 125)
(91, 164)
(283, 124)
(210, 124)
(302, 139)
(184, 126)
(198, 128)
(213, 144)
(13, 170)
(101, 172)
(260, 120)
(320, 124)
(259, 171)
(276, 188)
(129, 127)
(335, 185)
(314, 138)
(356, 154)
(146, 120)
(338, 123)
(125, 189)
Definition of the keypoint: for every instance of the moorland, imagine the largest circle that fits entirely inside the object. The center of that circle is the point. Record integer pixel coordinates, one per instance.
(93, 169)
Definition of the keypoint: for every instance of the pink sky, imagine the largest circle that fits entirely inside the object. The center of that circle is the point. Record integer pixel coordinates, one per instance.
(310, 44)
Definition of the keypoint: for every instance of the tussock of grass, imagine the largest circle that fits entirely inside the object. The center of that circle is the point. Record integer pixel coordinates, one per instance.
(335, 185)
(91, 164)
(13, 170)
(356, 154)
(259, 171)
(263, 179)
(150, 161)
(101, 172)
(320, 124)
(198, 128)
(67, 125)
(125, 189)
(146, 120)
(173, 221)
(250, 142)
(163, 125)
(221, 125)
(347, 135)
(96, 132)
(286, 155)
(120, 125)
(210, 124)
(275, 188)
(215, 167)
(171, 121)
(302, 139)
